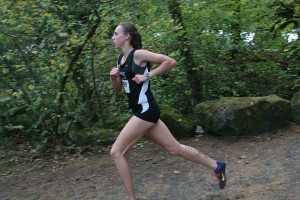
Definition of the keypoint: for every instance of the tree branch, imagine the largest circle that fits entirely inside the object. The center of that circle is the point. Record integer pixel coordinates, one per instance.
(73, 61)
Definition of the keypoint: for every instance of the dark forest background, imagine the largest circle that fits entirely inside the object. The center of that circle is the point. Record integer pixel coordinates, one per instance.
(56, 57)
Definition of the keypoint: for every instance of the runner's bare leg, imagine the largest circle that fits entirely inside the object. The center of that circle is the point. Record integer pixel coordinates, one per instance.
(127, 138)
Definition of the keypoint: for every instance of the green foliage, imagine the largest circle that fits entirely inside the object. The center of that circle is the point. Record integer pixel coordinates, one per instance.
(56, 56)
(6, 166)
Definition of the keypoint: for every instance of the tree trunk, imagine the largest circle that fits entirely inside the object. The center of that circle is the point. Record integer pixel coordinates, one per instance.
(236, 31)
(85, 93)
(193, 73)
(70, 69)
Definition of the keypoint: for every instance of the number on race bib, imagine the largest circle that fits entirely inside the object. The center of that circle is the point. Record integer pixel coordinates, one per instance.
(126, 86)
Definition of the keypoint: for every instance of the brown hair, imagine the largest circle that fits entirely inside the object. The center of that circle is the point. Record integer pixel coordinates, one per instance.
(136, 39)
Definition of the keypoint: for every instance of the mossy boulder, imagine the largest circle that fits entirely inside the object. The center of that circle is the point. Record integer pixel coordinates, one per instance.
(179, 125)
(243, 115)
(94, 136)
(295, 103)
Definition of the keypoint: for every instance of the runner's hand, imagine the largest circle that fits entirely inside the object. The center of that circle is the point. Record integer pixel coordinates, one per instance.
(139, 78)
(115, 71)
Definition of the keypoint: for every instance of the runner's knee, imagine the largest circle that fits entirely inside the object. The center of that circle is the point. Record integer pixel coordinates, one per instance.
(173, 150)
(115, 153)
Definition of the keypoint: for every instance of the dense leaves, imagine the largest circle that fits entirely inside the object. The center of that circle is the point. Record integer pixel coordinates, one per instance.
(56, 55)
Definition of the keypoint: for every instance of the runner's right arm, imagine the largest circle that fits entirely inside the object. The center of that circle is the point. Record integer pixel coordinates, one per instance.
(116, 79)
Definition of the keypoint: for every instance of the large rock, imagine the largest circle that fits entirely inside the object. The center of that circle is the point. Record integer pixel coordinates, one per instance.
(295, 103)
(179, 125)
(244, 115)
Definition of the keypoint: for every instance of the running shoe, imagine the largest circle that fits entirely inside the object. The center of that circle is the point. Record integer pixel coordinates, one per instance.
(220, 173)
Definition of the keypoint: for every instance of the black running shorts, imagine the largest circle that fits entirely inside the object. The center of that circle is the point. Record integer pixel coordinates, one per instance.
(148, 111)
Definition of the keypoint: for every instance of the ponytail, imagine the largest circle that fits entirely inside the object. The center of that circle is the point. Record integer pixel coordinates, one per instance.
(136, 39)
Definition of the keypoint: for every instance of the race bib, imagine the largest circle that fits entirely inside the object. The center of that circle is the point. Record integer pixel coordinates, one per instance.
(126, 86)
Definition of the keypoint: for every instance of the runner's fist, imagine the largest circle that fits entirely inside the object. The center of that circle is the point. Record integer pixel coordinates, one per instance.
(139, 78)
(115, 71)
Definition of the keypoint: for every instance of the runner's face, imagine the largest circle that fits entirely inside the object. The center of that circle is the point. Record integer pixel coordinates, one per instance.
(119, 37)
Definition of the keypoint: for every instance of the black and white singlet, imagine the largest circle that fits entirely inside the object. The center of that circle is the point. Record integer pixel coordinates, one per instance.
(141, 100)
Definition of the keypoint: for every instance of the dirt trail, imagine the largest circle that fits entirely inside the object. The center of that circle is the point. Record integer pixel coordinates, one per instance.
(264, 166)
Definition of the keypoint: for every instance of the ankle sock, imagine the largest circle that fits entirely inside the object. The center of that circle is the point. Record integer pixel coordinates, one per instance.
(218, 167)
